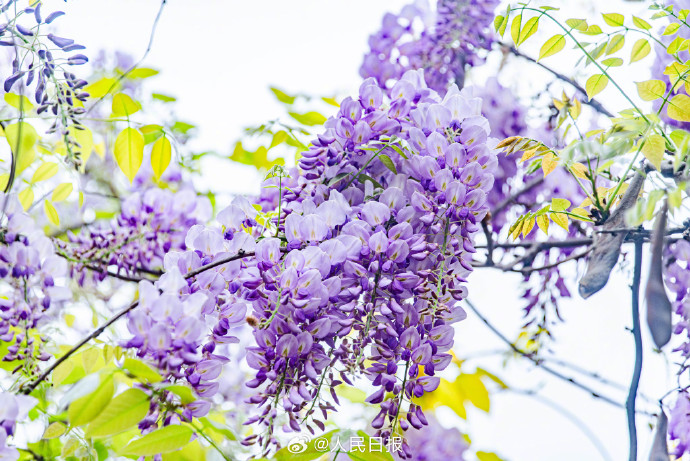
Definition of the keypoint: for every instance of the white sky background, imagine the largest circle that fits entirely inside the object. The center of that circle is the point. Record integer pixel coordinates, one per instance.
(220, 57)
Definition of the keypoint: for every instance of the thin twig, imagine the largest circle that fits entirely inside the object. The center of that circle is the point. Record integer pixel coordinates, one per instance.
(512, 198)
(98, 331)
(541, 365)
(138, 63)
(593, 103)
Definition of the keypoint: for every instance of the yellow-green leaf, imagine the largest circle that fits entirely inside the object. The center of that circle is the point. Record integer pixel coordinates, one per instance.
(22, 138)
(615, 43)
(55, 429)
(282, 96)
(26, 198)
(61, 192)
(46, 171)
(124, 106)
(614, 19)
(163, 440)
(549, 163)
(612, 62)
(552, 46)
(596, 84)
(123, 412)
(101, 87)
(560, 219)
(160, 156)
(87, 408)
(309, 118)
(577, 24)
(515, 27)
(142, 72)
(528, 30)
(142, 370)
(649, 90)
(129, 152)
(640, 49)
(641, 23)
(653, 148)
(560, 204)
(51, 213)
(679, 108)
(18, 102)
(676, 45)
(543, 223)
(527, 226)
(671, 28)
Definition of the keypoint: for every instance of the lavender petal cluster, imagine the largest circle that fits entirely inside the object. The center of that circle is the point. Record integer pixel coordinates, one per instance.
(152, 222)
(13, 408)
(442, 42)
(30, 280)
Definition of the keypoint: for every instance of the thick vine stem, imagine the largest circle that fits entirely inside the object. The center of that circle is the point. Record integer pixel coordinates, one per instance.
(637, 334)
(29, 388)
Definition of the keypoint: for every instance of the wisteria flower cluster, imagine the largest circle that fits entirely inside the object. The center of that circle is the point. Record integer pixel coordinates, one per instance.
(30, 281)
(57, 89)
(370, 258)
(152, 223)
(451, 37)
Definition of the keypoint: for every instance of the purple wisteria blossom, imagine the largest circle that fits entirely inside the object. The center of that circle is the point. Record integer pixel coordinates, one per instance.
(30, 280)
(442, 42)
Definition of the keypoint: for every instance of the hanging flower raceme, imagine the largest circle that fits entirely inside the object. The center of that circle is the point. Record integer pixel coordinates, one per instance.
(152, 223)
(441, 41)
(364, 265)
(30, 274)
(13, 408)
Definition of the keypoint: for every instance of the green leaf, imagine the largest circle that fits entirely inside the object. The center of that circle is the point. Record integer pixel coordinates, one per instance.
(142, 370)
(279, 137)
(596, 84)
(185, 394)
(61, 192)
(161, 154)
(124, 106)
(515, 27)
(676, 45)
(615, 43)
(142, 72)
(502, 28)
(51, 213)
(87, 408)
(55, 429)
(123, 412)
(577, 24)
(487, 456)
(641, 23)
(18, 102)
(386, 160)
(129, 152)
(163, 440)
(46, 171)
(612, 62)
(311, 118)
(559, 204)
(653, 148)
(101, 87)
(26, 198)
(552, 46)
(614, 19)
(640, 49)
(649, 90)
(528, 30)
(163, 97)
(282, 96)
(679, 108)
(22, 138)
(671, 28)
(592, 30)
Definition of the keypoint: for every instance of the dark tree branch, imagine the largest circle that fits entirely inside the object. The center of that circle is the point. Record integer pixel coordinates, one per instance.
(593, 103)
(637, 334)
(29, 388)
(515, 195)
(538, 362)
